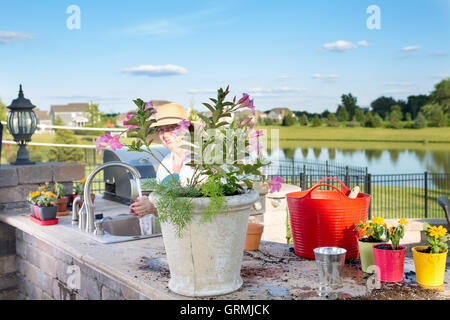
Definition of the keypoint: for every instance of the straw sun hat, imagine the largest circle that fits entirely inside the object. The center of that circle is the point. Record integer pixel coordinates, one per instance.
(167, 114)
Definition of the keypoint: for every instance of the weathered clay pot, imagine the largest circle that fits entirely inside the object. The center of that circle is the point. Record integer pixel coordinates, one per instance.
(62, 204)
(254, 233)
(92, 198)
(207, 259)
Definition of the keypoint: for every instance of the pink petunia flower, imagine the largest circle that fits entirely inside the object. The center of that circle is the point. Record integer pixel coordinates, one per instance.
(256, 134)
(107, 140)
(255, 146)
(182, 128)
(101, 143)
(114, 143)
(150, 105)
(275, 184)
(246, 102)
(129, 126)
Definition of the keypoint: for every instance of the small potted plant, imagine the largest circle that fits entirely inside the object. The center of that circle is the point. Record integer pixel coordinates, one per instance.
(58, 189)
(32, 198)
(372, 232)
(390, 258)
(78, 190)
(430, 260)
(46, 210)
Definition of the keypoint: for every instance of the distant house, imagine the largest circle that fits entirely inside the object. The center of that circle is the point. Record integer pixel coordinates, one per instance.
(72, 114)
(122, 116)
(43, 118)
(247, 112)
(278, 114)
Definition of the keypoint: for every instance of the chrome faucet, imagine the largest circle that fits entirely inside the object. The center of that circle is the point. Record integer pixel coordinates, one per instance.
(88, 205)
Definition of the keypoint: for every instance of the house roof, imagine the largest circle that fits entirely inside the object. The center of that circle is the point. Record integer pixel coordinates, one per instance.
(281, 110)
(41, 114)
(70, 107)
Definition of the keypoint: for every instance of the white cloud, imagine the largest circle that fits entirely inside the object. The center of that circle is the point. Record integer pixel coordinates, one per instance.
(411, 48)
(339, 45)
(363, 43)
(12, 36)
(399, 84)
(442, 75)
(156, 71)
(325, 76)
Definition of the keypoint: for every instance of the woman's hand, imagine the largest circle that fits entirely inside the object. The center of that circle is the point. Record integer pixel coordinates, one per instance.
(141, 207)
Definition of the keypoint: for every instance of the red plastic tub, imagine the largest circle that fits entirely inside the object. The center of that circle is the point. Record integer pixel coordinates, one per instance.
(389, 264)
(326, 218)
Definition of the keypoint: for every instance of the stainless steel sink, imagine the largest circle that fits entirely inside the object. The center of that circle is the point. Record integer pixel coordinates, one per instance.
(120, 228)
(126, 225)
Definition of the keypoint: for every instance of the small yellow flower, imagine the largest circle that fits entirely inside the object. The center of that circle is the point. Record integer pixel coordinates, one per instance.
(34, 194)
(384, 225)
(403, 222)
(378, 220)
(50, 194)
(437, 232)
(82, 180)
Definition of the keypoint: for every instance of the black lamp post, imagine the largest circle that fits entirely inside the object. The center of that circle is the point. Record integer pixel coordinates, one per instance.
(22, 123)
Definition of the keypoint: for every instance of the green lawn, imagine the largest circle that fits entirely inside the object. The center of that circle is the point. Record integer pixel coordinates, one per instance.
(296, 132)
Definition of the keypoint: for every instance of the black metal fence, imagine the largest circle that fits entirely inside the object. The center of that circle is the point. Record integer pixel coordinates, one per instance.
(392, 195)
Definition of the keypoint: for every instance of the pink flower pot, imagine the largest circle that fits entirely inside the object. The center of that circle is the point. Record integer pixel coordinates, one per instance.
(389, 263)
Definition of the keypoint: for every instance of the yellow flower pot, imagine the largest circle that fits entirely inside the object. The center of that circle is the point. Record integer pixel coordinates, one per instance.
(430, 267)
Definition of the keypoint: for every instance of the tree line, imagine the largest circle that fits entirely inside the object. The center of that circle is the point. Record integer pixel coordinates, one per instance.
(417, 111)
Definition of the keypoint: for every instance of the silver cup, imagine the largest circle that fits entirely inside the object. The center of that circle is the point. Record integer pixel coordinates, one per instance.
(330, 263)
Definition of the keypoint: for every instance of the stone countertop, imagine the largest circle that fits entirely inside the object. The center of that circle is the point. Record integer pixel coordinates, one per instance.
(273, 272)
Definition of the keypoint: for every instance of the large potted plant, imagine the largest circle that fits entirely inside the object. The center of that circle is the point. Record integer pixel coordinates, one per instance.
(204, 221)
(390, 258)
(372, 233)
(430, 260)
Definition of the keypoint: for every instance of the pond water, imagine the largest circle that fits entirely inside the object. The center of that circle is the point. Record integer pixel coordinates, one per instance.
(390, 159)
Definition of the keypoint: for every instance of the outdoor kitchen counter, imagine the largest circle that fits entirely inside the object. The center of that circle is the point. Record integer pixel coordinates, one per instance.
(273, 272)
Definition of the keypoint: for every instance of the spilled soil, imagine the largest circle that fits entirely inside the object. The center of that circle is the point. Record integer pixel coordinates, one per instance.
(400, 292)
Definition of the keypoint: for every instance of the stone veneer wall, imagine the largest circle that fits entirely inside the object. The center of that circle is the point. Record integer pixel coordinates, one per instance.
(16, 182)
(33, 269)
(8, 270)
(43, 273)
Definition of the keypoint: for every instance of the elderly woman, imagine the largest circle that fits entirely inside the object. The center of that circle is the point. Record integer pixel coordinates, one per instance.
(168, 116)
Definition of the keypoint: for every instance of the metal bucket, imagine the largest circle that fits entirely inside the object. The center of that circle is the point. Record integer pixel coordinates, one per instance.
(330, 262)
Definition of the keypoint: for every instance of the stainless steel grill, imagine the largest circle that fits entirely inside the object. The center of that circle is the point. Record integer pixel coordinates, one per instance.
(119, 184)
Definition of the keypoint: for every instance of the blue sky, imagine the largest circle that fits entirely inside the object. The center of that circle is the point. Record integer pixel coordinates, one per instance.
(298, 54)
